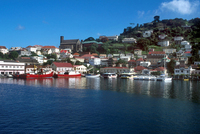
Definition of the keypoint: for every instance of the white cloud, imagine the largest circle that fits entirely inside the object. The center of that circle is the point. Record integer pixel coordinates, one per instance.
(180, 6)
(99, 34)
(19, 27)
(140, 13)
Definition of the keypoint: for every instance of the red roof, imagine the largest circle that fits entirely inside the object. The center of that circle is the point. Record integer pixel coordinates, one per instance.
(140, 59)
(157, 52)
(77, 57)
(139, 68)
(131, 61)
(76, 54)
(160, 69)
(118, 67)
(48, 47)
(63, 51)
(188, 52)
(87, 55)
(62, 64)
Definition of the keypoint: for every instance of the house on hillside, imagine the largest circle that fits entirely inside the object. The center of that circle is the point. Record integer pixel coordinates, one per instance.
(129, 40)
(95, 61)
(147, 33)
(89, 43)
(169, 51)
(31, 49)
(178, 39)
(138, 52)
(132, 63)
(163, 43)
(114, 38)
(65, 54)
(80, 68)
(24, 52)
(27, 60)
(3, 49)
(61, 66)
(87, 57)
(139, 69)
(155, 56)
(138, 61)
(52, 48)
(75, 45)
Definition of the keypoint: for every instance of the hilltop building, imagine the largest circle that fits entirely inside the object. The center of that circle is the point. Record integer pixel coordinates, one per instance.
(75, 45)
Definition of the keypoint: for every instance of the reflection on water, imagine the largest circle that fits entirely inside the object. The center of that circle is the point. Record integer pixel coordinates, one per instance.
(183, 90)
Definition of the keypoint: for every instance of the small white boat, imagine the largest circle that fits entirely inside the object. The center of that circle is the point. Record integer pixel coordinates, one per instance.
(109, 75)
(163, 78)
(92, 75)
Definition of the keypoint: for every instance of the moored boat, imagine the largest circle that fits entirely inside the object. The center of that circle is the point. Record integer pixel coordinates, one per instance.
(67, 74)
(92, 75)
(127, 76)
(109, 75)
(164, 78)
(36, 76)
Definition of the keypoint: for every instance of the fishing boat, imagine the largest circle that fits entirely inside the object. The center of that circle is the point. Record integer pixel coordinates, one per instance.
(36, 75)
(67, 74)
(92, 75)
(109, 75)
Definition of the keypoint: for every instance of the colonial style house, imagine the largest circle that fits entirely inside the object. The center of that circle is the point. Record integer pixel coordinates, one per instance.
(183, 69)
(31, 49)
(75, 45)
(23, 51)
(116, 70)
(61, 66)
(11, 67)
(80, 68)
(52, 48)
(155, 56)
(3, 49)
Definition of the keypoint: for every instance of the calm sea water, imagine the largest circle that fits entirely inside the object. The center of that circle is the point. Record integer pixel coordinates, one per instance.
(88, 105)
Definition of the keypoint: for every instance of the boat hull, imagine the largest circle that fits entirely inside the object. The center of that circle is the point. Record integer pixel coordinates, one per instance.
(66, 75)
(35, 76)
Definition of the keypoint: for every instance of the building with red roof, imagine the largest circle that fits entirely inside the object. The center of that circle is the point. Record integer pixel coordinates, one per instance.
(52, 48)
(61, 66)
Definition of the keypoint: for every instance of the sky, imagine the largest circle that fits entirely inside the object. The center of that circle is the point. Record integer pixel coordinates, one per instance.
(41, 22)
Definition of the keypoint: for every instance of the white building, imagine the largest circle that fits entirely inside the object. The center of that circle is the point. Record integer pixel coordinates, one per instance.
(116, 70)
(115, 38)
(40, 58)
(197, 63)
(3, 49)
(126, 58)
(145, 63)
(31, 49)
(129, 40)
(80, 68)
(169, 51)
(95, 61)
(11, 67)
(163, 43)
(147, 33)
(183, 69)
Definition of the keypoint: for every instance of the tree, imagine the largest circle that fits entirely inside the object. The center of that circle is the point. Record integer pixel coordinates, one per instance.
(13, 55)
(156, 18)
(171, 65)
(90, 39)
(143, 44)
(33, 54)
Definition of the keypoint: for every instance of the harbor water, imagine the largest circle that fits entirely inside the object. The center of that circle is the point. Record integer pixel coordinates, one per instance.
(98, 105)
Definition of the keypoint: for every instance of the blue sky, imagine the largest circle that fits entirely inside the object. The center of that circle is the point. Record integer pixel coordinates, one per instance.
(42, 22)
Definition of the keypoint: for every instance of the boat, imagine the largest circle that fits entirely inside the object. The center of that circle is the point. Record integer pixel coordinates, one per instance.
(67, 74)
(92, 75)
(163, 78)
(36, 75)
(109, 75)
(127, 76)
